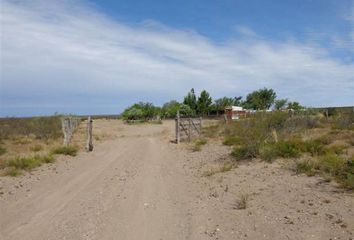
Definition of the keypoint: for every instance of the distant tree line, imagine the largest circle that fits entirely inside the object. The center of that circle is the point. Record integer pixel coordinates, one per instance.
(203, 105)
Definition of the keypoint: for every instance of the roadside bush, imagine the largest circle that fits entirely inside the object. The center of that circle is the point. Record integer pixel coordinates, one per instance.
(28, 163)
(308, 166)
(288, 149)
(332, 164)
(268, 152)
(337, 149)
(314, 147)
(198, 144)
(65, 150)
(245, 152)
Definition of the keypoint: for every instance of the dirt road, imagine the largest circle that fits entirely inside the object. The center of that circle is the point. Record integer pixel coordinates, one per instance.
(131, 187)
(136, 185)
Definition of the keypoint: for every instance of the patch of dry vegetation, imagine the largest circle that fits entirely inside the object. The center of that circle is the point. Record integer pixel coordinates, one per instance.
(316, 144)
(65, 150)
(198, 144)
(20, 138)
(14, 167)
(227, 166)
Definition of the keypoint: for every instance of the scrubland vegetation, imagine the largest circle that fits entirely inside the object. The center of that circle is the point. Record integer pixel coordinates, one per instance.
(309, 142)
(26, 143)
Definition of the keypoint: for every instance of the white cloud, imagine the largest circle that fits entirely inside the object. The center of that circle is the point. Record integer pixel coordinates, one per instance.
(66, 53)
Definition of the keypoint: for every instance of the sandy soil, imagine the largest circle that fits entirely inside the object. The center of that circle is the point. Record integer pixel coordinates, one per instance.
(137, 185)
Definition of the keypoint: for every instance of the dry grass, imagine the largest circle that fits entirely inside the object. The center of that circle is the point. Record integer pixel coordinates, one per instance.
(39, 127)
(65, 150)
(14, 167)
(198, 144)
(241, 201)
(36, 148)
(220, 169)
(318, 147)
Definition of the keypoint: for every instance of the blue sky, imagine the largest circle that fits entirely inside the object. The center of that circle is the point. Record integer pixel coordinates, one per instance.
(96, 57)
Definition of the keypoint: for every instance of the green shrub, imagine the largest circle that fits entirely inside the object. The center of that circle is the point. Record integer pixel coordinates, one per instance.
(268, 152)
(337, 149)
(342, 170)
(288, 149)
(198, 144)
(346, 178)
(65, 150)
(314, 147)
(28, 163)
(331, 164)
(308, 167)
(245, 152)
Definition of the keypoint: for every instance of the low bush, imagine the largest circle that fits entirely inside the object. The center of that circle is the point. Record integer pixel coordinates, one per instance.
(268, 152)
(308, 166)
(337, 149)
(28, 163)
(245, 152)
(314, 147)
(332, 164)
(65, 150)
(288, 149)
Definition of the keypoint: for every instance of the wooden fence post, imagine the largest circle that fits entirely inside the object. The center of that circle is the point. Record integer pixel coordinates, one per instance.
(178, 136)
(89, 145)
(189, 129)
(200, 126)
(65, 128)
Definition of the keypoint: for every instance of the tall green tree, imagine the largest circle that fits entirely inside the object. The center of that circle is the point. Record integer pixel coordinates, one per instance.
(261, 99)
(222, 103)
(141, 111)
(280, 103)
(169, 109)
(295, 106)
(191, 100)
(204, 103)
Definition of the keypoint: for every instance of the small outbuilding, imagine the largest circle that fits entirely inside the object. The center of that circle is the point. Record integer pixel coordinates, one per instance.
(234, 113)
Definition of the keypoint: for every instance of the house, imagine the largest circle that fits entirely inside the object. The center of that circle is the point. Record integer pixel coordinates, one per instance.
(234, 113)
